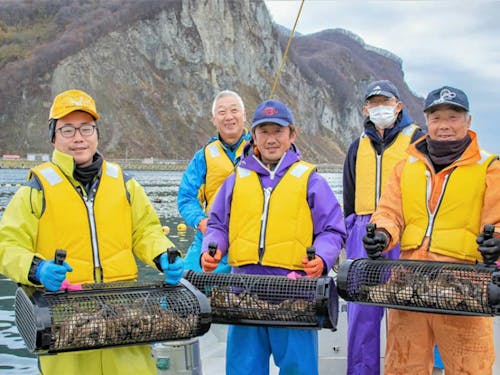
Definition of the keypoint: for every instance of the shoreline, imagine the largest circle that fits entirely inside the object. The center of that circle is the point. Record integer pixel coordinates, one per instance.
(148, 165)
(145, 165)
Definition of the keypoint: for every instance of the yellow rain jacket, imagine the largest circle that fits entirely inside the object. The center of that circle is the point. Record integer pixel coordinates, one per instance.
(20, 235)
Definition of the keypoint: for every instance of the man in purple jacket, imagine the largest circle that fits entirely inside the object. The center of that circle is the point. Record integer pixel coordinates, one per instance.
(264, 217)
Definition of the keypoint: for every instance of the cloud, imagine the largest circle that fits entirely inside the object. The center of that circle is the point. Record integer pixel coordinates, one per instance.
(440, 42)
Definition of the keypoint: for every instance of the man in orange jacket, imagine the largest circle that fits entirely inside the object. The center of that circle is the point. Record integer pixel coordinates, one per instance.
(435, 205)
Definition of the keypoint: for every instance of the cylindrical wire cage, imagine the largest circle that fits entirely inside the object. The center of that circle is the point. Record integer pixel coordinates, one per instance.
(267, 300)
(109, 314)
(439, 287)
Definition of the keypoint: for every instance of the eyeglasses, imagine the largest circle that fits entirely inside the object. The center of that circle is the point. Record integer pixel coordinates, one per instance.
(68, 131)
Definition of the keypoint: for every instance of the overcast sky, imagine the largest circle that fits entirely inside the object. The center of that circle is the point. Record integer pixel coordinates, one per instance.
(454, 43)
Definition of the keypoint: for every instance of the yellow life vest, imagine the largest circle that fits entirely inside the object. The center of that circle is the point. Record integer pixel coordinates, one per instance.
(219, 166)
(273, 234)
(373, 171)
(97, 239)
(456, 221)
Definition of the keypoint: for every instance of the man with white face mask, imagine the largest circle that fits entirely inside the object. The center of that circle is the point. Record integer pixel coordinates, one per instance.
(388, 130)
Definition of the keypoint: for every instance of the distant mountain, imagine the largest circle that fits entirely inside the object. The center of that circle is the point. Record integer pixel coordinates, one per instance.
(154, 66)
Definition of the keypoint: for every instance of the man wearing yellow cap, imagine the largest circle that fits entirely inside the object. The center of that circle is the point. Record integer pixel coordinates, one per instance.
(98, 214)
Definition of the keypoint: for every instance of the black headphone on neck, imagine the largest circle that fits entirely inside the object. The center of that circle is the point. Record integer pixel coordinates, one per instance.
(52, 129)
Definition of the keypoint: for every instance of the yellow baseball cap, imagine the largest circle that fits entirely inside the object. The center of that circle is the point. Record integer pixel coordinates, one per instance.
(70, 101)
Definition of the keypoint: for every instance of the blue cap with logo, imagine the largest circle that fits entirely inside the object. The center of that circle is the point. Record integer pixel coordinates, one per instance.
(446, 95)
(384, 87)
(272, 111)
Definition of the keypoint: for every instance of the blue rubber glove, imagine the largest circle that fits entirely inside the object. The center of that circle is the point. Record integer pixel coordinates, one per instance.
(173, 271)
(51, 275)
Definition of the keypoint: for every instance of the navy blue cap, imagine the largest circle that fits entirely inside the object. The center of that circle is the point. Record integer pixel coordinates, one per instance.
(385, 88)
(446, 95)
(272, 111)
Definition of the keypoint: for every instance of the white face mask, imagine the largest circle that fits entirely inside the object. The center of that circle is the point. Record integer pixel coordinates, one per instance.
(382, 116)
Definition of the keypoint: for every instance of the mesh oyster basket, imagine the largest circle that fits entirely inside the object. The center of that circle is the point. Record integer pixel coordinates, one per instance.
(438, 287)
(266, 300)
(109, 314)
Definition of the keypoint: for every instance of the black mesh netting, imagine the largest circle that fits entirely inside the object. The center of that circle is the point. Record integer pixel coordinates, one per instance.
(426, 286)
(103, 315)
(269, 300)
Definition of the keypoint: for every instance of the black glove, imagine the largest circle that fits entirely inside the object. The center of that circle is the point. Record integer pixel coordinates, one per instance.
(489, 248)
(375, 243)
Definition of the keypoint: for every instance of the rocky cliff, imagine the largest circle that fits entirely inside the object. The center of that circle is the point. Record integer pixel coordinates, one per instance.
(154, 76)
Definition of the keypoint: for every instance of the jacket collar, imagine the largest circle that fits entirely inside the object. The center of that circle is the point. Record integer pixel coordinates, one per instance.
(251, 161)
(64, 161)
(66, 164)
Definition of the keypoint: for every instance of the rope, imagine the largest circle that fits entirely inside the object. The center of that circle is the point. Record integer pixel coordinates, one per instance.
(278, 74)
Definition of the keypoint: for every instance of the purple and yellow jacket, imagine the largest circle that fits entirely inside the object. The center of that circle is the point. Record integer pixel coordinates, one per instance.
(325, 213)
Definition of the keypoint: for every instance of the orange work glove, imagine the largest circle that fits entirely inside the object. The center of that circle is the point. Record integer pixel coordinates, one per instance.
(202, 225)
(313, 268)
(208, 262)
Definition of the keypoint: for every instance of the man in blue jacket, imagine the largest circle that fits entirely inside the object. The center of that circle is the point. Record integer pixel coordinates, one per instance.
(208, 169)
(264, 217)
(388, 130)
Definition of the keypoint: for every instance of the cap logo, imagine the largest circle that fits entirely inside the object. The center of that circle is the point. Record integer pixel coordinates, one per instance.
(76, 103)
(269, 111)
(446, 95)
(377, 90)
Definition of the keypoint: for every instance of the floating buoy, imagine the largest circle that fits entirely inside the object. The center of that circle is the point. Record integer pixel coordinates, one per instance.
(166, 229)
(181, 227)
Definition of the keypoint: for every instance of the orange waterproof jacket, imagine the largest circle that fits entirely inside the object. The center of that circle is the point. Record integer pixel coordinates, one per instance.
(389, 213)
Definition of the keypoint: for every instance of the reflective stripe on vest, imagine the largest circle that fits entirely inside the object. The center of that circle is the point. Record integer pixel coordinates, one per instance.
(455, 224)
(373, 171)
(288, 216)
(68, 219)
